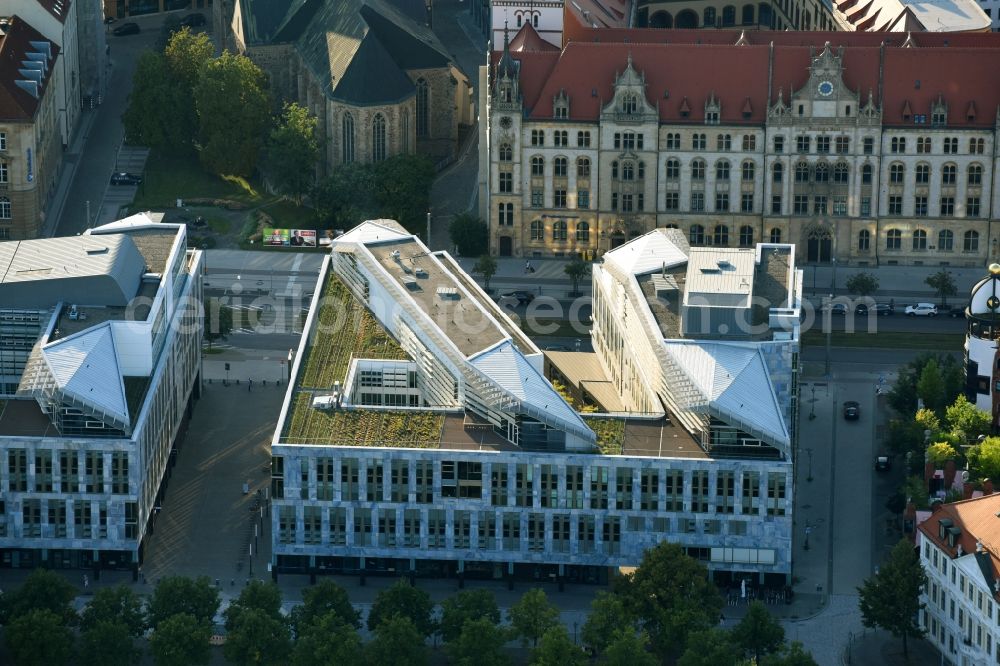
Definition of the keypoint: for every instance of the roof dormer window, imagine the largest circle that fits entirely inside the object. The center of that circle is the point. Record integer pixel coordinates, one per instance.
(939, 113)
(713, 110)
(630, 104)
(560, 106)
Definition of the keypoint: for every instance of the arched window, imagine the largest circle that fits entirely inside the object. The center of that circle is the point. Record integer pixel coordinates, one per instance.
(922, 174)
(946, 240)
(864, 240)
(866, 174)
(896, 172)
(559, 167)
(628, 171)
(559, 230)
(722, 170)
(537, 230)
(948, 174)
(728, 15)
(423, 107)
(347, 138)
(975, 174)
(506, 152)
(779, 172)
(746, 236)
(748, 171)
(748, 14)
(378, 138)
(841, 173)
(919, 240)
(537, 166)
(720, 235)
(802, 172)
(673, 169)
(583, 167)
(893, 239)
(698, 170)
(583, 232)
(710, 17)
(970, 241)
(630, 103)
(5, 208)
(774, 236)
(696, 235)
(822, 173)
(406, 131)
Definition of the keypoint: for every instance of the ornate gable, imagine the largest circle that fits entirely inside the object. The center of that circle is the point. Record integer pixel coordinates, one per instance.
(629, 103)
(824, 94)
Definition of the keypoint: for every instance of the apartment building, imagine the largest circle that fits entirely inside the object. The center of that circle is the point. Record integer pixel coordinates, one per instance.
(958, 550)
(100, 350)
(419, 433)
(855, 148)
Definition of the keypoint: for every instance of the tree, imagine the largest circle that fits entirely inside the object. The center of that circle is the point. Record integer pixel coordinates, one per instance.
(577, 270)
(254, 636)
(292, 152)
(327, 639)
(469, 234)
(401, 188)
(108, 643)
(930, 387)
(943, 285)
(464, 607)
(171, 24)
(984, 458)
(319, 602)
(939, 452)
(117, 604)
(39, 637)
(232, 103)
(218, 320)
(479, 643)
(180, 640)
(629, 649)
(967, 420)
(862, 284)
(186, 54)
(181, 595)
(671, 596)
(709, 647)
(154, 114)
(556, 649)
(890, 599)
(397, 641)
(792, 655)
(407, 601)
(758, 633)
(607, 617)
(903, 396)
(532, 616)
(487, 267)
(257, 596)
(345, 197)
(42, 590)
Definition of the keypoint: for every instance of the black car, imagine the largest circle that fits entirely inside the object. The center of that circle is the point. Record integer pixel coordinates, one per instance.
(126, 29)
(852, 411)
(954, 311)
(836, 308)
(193, 20)
(880, 309)
(523, 297)
(882, 464)
(125, 178)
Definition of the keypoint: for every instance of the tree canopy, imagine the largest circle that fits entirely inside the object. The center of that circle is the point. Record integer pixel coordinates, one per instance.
(397, 641)
(233, 107)
(319, 602)
(943, 284)
(931, 388)
(255, 636)
(758, 633)
(671, 596)
(556, 649)
(890, 599)
(607, 617)
(464, 607)
(966, 420)
(487, 267)
(984, 459)
(118, 604)
(39, 637)
(325, 640)
(406, 601)
(629, 648)
(709, 647)
(533, 615)
(293, 151)
(469, 234)
(903, 396)
(862, 284)
(108, 643)
(577, 270)
(259, 596)
(479, 643)
(180, 640)
(178, 594)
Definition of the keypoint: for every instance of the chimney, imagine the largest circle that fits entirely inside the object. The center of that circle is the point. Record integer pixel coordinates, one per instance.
(967, 489)
(949, 473)
(988, 487)
(928, 472)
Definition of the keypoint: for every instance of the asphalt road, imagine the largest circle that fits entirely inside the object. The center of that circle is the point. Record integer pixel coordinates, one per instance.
(896, 322)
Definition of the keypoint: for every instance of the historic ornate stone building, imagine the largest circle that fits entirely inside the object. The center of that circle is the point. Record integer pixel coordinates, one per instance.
(372, 72)
(859, 150)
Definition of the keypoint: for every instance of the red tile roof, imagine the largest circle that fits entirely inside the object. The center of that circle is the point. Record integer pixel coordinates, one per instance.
(962, 67)
(528, 39)
(16, 103)
(977, 519)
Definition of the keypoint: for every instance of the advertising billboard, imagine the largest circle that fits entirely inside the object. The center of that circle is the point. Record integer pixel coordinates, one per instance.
(290, 237)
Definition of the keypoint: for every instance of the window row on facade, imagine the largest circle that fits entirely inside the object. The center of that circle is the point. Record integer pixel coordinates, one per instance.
(526, 485)
(65, 471)
(65, 519)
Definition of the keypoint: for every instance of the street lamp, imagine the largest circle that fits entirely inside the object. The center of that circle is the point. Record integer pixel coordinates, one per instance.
(812, 409)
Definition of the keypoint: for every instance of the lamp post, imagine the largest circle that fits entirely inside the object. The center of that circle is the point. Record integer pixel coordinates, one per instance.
(809, 473)
(812, 408)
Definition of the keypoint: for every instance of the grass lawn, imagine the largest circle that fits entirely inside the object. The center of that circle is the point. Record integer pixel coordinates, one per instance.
(288, 215)
(610, 434)
(945, 342)
(169, 177)
(412, 430)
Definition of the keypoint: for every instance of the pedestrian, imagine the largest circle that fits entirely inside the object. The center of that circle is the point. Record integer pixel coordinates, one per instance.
(527, 266)
(86, 581)
(249, 385)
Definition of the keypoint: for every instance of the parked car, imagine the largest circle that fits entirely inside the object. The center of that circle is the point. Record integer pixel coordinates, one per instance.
(882, 463)
(921, 310)
(880, 309)
(193, 20)
(852, 410)
(955, 311)
(126, 29)
(523, 297)
(557, 348)
(125, 178)
(836, 308)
